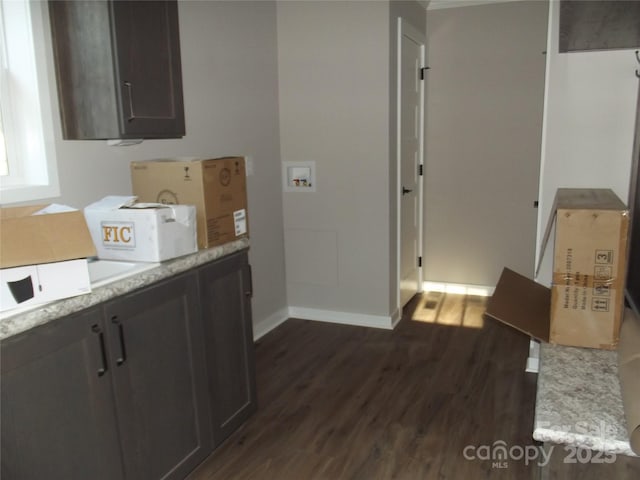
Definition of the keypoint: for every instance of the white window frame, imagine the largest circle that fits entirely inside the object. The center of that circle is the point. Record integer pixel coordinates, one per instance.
(27, 102)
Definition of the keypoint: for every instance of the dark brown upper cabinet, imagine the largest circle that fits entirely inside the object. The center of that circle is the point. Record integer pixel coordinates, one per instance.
(118, 69)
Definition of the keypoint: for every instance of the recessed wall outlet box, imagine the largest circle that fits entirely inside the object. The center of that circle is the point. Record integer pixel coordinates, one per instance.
(299, 176)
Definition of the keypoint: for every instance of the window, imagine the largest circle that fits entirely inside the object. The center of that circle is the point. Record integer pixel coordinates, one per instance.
(27, 160)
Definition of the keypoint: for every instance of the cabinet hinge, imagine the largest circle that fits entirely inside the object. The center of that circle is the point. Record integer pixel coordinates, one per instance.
(420, 170)
(419, 261)
(423, 72)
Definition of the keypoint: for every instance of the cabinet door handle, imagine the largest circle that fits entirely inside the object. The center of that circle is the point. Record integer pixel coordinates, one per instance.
(123, 351)
(249, 292)
(132, 115)
(103, 353)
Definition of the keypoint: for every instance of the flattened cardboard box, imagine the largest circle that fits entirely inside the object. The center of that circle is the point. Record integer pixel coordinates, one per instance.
(217, 187)
(584, 306)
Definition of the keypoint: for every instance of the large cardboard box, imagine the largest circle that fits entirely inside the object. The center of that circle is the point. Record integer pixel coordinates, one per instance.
(30, 236)
(43, 255)
(217, 187)
(585, 304)
(123, 229)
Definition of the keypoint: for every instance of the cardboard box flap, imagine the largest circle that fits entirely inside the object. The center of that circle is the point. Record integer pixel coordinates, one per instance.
(19, 212)
(578, 199)
(521, 303)
(27, 239)
(588, 198)
(112, 202)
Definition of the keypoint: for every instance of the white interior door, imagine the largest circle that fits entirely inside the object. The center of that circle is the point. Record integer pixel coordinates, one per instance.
(411, 47)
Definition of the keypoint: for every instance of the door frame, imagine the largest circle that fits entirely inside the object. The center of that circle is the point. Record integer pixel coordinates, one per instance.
(406, 29)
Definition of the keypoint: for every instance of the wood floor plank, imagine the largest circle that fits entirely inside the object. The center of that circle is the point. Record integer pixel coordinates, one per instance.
(343, 402)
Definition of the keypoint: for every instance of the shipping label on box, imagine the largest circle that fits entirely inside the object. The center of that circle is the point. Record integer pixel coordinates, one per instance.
(29, 285)
(125, 230)
(217, 188)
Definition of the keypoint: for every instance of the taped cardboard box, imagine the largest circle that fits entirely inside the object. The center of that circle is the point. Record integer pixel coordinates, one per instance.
(584, 305)
(43, 255)
(123, 229)
(217, 187)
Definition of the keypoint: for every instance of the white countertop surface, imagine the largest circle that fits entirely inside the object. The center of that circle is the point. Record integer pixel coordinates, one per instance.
(578, 401)
(23, 321)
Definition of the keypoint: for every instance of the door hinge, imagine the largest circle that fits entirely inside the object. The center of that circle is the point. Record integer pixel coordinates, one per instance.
(420, 170)
(419, 261)
(423, 72)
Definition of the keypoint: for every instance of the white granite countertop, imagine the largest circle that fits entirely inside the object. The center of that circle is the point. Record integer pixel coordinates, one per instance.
(14, 324)
(578, 402)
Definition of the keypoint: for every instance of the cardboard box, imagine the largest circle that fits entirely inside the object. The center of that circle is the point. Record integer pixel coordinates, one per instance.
(217, 187)
(29, 285)
(125, 230)
(585, 304)
(29, 238)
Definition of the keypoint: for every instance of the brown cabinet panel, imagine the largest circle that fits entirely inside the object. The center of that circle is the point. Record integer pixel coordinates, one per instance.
(118, 68)
(226, 308)
(140, 388)
(633, 267)
(57, 410)
(155, 344)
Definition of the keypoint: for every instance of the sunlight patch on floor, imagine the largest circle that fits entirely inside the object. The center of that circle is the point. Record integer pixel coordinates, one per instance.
(457, 310)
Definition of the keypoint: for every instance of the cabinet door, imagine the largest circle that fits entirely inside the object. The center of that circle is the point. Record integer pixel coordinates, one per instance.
(155, 340)
(225, 292)
(147, 49)
(118, 68)
(58, 416)
(82, 49)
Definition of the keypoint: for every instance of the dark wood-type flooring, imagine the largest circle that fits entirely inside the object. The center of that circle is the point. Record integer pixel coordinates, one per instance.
(344, 402)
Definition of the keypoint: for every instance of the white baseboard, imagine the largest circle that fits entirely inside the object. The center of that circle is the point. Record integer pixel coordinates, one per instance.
(533, 362)
(460, 288)
(264, 326)
(396, 317)
(345, 318)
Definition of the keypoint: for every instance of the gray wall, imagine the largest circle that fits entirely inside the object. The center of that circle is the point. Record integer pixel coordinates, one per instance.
(590, 110)
(485, 95)
(334, 110)
(229, 67)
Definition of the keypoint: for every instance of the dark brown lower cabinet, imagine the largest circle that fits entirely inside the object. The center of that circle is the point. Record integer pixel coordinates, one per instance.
(159, 378)
(225, 291)
(142, 387)
(57, 410)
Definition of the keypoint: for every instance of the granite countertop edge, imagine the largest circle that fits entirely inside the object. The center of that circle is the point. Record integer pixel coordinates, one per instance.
(21, 322)
(607, 445)
(578, 400)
